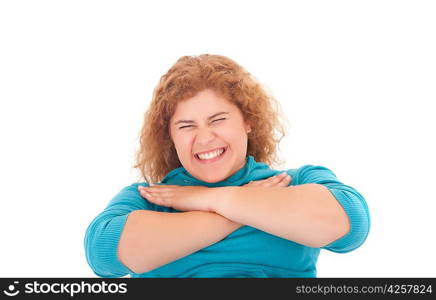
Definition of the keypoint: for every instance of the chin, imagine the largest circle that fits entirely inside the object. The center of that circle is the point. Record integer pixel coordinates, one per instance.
(213, 178)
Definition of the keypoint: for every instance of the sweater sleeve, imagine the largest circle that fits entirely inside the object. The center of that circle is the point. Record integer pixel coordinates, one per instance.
(103, 234)
(349, 198)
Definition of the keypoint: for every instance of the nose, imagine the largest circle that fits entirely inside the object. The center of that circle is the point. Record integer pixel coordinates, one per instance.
(205, 136)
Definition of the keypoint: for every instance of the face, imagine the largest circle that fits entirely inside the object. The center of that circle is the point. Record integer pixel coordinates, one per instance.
(210, 136)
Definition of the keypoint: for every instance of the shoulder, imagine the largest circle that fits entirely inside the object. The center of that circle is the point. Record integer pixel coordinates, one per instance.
(129, 196)
(312, 174)
(133, 187)
(130, 190)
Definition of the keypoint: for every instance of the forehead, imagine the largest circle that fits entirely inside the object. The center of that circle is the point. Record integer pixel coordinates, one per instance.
(203, 104)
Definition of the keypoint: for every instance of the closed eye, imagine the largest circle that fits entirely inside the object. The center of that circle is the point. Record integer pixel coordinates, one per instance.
(218, 119)
(212, 121)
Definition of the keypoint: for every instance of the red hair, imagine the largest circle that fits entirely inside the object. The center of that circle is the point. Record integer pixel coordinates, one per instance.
(188, 76)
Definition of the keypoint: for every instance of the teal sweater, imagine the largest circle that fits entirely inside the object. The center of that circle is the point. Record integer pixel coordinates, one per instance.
(246, 252)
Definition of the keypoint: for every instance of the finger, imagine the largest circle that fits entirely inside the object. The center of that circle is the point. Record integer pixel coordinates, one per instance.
(146, 195)
(277, 178)
(160, 194)
(164, 185)
(156, 189)
(155, 198)
(287, 178)
(284, 176)
(161, 186)
(282, 179)
(162, 199)
(143, 193)
(254, 183)
(285, 182)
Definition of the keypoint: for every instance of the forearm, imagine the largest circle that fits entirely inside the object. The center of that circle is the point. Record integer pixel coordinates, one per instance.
(307, 214)
(151, 239)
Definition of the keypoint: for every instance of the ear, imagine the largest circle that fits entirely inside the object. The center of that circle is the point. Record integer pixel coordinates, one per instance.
(247, 128)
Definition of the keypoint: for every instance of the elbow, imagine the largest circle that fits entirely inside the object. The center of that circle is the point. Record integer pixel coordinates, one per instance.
(91, 250)
(339, 229)
(334, 222)
(337, 225)
(332, 233)
(350, 225)
(130, 260)
(341, 225)
(129, 251)
(134, 261)
(100, 247)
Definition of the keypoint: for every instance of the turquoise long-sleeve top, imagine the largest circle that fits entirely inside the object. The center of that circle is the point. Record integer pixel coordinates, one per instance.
(246, 252)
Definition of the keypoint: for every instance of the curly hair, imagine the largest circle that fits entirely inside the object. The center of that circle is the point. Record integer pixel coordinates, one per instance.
(157, 156)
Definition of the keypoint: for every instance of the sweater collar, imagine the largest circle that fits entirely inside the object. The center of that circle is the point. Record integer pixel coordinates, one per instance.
(242, 176)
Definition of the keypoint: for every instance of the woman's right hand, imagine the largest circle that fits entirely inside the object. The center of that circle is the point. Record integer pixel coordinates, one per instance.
(280, 180)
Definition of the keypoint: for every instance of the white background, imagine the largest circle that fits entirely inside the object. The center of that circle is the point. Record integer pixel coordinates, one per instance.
(356, 80)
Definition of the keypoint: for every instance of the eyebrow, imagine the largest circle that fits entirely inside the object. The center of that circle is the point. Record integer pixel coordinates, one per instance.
(191, 121)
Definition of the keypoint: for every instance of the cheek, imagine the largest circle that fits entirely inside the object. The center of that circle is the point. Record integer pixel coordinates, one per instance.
(233, 134)
(182, 144)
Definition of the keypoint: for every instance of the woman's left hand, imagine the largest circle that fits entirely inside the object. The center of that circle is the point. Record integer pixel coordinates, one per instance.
(183, 198)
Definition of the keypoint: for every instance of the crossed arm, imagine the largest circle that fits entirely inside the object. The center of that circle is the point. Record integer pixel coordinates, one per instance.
(307, 214)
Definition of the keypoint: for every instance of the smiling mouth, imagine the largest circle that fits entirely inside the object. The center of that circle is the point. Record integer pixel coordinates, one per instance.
(212, 159)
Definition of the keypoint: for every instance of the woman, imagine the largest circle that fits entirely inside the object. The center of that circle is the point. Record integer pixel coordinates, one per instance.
(217, 209)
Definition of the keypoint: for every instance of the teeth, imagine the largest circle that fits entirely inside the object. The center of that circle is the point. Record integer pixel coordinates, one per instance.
(211, 155)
